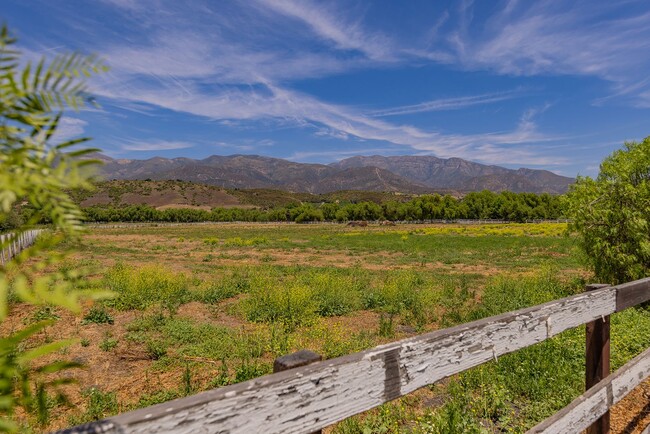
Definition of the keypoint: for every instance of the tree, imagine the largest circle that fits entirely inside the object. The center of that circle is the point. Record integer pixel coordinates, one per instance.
(37, 173)
(611, 214)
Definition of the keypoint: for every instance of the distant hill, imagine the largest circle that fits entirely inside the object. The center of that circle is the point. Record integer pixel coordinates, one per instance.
(181, 194)
(462, 175)
(407, 174)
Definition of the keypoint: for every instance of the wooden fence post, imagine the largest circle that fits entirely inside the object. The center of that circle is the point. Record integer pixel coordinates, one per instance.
(295, 360)
(597, 360)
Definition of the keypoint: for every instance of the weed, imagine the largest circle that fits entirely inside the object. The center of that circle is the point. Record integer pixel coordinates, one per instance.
(85, 342)
(149, 399)
(233, 285)
(139, 288)
(156, 349)
(187, 380)
(386, 328)
(108, 343)
(292, 305)
(335, 294)
(99, 405)
(248, 370)
(98, 315)
(43, 314)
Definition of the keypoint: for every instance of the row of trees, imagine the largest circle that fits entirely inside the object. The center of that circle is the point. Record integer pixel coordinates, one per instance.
(482, 205)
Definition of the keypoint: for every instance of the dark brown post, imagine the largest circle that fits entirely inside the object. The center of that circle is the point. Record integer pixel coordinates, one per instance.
(295, 360)
(597, 360)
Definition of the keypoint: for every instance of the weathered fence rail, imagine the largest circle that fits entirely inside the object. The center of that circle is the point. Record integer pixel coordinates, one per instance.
(595, 402)
(12, 244)
(311, 397)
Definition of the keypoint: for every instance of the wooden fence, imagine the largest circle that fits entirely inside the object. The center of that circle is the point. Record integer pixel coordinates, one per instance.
(311, 397)
(11, 245)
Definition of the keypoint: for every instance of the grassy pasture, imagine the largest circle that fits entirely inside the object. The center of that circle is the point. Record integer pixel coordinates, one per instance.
(202, 306)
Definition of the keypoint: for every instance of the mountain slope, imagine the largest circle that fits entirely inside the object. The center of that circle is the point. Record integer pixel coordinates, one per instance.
(462, 175)
(407, 174)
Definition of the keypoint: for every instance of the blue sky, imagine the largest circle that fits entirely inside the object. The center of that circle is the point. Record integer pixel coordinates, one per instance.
(542, 84)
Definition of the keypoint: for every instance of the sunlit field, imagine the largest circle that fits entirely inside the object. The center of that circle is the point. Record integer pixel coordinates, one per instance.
(203, 306)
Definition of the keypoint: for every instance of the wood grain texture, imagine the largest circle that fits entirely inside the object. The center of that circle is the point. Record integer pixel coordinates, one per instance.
(597, 357)
(632, 293)
(588, 407)
(311, 397)
(296, 360)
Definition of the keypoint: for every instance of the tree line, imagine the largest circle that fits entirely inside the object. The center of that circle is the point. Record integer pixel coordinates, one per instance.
(517, 207)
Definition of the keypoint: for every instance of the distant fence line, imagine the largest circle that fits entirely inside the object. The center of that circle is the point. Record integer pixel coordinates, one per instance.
(377, 222)
(11, 244)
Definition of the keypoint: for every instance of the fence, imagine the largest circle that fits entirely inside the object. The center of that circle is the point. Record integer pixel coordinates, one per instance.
(311, 397)
(118, 225)
(11, 245)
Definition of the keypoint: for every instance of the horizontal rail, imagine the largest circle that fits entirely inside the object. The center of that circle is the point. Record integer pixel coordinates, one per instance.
(595, 402)
(315, 396)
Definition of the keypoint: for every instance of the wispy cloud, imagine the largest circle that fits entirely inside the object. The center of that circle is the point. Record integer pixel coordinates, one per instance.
(336, 28)
(447, 104)
(239, 66)
(69, 128)
(155, 145)
(549, 37)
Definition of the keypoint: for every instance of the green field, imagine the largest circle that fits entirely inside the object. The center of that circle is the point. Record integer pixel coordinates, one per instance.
(203, 306)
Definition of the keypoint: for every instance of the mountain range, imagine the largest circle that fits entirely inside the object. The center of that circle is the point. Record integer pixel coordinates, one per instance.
(405, 174)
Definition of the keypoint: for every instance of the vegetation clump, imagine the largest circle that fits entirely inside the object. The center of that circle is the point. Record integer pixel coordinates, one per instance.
(611, 215)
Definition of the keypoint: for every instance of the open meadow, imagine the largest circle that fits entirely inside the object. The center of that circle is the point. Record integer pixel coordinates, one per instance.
(206, 305)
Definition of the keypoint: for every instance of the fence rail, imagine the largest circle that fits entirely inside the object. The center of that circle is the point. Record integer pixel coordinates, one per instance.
(11, 244)
(595, 402)
(312, 397)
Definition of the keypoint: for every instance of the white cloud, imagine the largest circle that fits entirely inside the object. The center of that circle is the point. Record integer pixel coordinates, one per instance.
(345, 34)
(69, 128)
(446, 104)
(548, 37)
(156, 145)
(238, 69)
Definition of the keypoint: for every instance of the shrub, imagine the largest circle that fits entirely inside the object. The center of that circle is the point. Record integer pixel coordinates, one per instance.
(611, 215)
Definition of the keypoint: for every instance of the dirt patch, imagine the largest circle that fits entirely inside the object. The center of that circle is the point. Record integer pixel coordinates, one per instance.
(632, 414)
